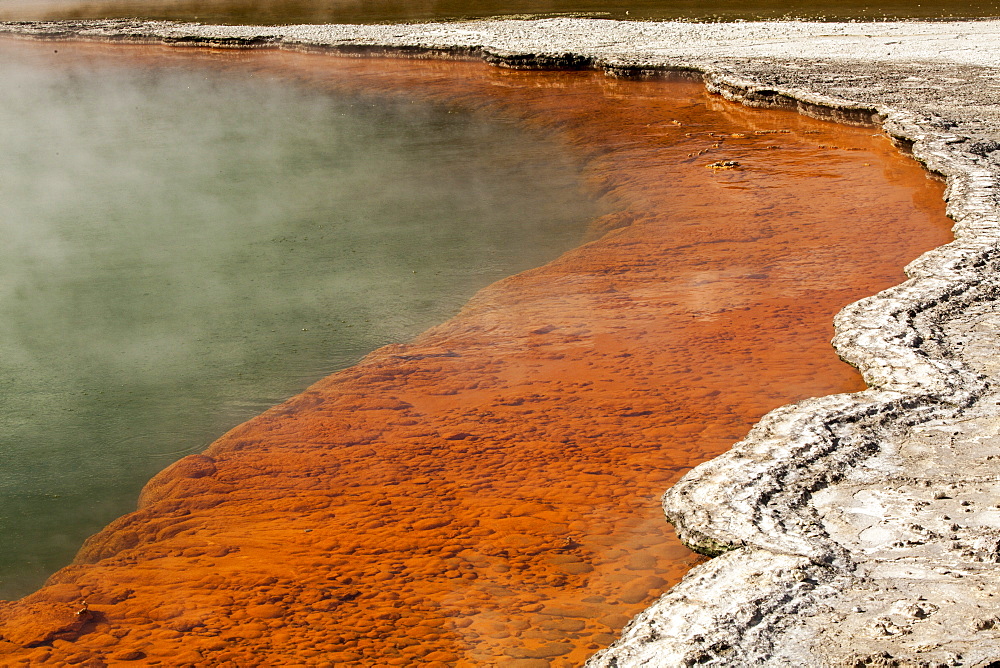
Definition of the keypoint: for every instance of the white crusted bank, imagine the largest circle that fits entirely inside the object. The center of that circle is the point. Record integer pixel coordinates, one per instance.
(852, 530)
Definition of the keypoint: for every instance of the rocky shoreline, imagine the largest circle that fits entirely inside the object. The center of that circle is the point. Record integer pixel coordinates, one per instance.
(857, 529)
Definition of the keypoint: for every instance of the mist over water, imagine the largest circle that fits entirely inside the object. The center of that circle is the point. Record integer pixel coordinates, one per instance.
(184, 248)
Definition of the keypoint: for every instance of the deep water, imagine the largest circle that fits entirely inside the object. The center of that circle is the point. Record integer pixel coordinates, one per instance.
(184, 248)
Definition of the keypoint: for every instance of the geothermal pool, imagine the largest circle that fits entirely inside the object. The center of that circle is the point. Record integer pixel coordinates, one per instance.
(486, 494)
(185, 248)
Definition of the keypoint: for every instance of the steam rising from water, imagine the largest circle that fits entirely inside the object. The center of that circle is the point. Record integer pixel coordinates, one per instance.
(183, 249)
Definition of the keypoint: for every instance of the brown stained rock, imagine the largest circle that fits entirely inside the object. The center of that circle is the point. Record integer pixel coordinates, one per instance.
(128, 655)
(106, 544)
(32, 624)
(191, 476)
(639, 589)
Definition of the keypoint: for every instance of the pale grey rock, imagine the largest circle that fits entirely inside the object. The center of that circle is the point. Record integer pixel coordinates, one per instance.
(852, 530)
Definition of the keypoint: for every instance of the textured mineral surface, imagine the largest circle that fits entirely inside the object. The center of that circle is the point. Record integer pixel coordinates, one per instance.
(853, 529)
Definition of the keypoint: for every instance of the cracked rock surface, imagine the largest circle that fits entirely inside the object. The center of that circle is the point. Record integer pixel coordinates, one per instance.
(852, 530)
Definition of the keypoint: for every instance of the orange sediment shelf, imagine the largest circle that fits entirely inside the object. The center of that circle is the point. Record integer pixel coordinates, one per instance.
(488, 493)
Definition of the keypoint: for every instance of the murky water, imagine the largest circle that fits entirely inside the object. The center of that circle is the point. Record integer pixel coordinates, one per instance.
(184, 248)
(365, 11)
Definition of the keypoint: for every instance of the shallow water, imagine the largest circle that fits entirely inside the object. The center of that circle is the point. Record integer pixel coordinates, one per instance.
(365, 11)
(487, 494)
(184, 248)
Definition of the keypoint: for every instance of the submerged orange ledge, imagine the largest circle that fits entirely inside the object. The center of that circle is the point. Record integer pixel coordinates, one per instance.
(488, 494)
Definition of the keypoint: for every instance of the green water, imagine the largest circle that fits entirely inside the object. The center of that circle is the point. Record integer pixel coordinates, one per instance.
(373, 11)
(183, 249)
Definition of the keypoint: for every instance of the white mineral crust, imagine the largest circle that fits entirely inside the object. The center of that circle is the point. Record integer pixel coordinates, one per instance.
(852, 530)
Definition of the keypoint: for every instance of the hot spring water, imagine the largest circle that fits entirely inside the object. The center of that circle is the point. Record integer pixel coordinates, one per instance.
(184, 248)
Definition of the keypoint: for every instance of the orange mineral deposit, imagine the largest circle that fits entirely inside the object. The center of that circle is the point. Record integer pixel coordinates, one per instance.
(487, 495)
